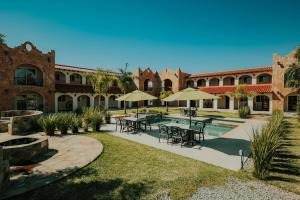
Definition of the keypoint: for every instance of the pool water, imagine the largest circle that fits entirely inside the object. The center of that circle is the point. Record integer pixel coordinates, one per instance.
(210, 129)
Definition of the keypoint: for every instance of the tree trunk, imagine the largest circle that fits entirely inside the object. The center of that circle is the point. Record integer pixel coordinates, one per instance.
(125, 111)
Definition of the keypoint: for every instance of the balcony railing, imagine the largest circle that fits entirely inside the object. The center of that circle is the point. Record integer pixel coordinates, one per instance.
(28, 81)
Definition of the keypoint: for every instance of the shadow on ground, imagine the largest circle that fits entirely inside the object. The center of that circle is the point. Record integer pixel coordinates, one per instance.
(80, 186)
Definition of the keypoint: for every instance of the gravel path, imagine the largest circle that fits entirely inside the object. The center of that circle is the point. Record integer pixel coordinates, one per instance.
(244, 190)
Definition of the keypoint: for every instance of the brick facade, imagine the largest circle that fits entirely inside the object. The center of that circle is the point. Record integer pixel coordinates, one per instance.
(26, 54)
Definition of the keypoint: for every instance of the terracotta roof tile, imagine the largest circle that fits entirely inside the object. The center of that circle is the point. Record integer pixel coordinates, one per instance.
(260, 88)
(78, 69)
(231, 72)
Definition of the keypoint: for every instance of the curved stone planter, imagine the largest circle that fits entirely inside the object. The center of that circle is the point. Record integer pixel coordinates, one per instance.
(73, 153)
(21, 122)
(22, 150)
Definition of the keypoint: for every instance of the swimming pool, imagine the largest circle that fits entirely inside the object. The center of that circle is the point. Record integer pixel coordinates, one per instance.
(210, 129)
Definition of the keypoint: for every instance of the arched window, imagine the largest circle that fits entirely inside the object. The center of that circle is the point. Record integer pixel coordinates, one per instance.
(29, 101)
(245, 80)
(261, 103)
(201, 83)
(60, 77)
(214, 82)
(75, 79)
(264, 79)
(83, 101)
(167, 85)
(190, 83)
(28, 75)
(112, 103)
(148, 85)
(228, 81)
(65, 103)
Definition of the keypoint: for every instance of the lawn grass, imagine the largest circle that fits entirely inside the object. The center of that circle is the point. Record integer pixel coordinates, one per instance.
(128, 170)
(286, 165)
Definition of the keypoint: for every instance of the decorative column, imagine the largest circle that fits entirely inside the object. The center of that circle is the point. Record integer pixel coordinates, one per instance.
(207, 82)
(68, 78)
(254, 80)
(188, 103)
(201, 104)
(92, 101)
(56, 102)
(130, 104)
(83, 80)
(231, 104)
(106, 102)
(221, 82)
(75, 102)
(250, 103)
(215, 103)
(119, 104)
(236, 80)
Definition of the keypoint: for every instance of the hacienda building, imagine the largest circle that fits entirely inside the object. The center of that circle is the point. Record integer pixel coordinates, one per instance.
(30, 79)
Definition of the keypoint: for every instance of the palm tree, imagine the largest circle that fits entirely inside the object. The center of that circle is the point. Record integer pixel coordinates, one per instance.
(292, 76)
(125, 82)
(102, 81)
(241, 93)
(2, 40)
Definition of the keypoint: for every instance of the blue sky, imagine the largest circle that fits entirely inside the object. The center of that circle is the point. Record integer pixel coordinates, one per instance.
(195, 35)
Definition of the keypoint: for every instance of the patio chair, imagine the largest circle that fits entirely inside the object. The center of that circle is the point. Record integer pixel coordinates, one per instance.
(146, 122)
(125, 126)
(178, 135)
(164, 133)
(200, 126)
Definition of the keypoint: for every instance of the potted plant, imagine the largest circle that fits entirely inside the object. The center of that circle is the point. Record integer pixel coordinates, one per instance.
(48, 123)
(96, 121)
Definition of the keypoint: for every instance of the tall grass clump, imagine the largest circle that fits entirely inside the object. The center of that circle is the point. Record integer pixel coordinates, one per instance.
(63, 122)
(244, 112)
(265, 143)
(76, 123)
(87, 118)
(48, 123)
(96, 120)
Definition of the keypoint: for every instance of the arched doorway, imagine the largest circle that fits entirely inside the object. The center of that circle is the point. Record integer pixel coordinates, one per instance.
(245, 80)
(261, 103)
(99, 101)
(201, 83)
(190, 83)
(228, 81)
(238, 103)
(223, 102)
(29, 101)
(112, 103)
(65, 103)
(167, 85)
(83, 101)
(214, 82)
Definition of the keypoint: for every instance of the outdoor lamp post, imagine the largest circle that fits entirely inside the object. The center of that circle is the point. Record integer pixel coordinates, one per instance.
(241, 153)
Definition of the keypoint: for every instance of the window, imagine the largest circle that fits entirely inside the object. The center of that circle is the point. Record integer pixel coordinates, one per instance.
(214, 82)
(190, 83)
(167, 85)
(75, 79)
(148, 85)
(263, 79)
(29, 101)
(245, 80)
(28, 76)
(201, 83)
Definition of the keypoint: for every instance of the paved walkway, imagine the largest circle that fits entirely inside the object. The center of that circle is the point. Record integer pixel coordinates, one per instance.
(66, 155)
(220, 151)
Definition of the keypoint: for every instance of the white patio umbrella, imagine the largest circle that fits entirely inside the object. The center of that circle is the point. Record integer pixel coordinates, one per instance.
(190, 94)
(136, 95)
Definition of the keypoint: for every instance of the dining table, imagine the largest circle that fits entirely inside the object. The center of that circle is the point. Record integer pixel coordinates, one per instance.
(134, 122)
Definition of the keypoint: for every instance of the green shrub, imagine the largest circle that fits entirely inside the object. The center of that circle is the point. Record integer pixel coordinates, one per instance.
(76, 123)
(96, 120)
(265, 143)
(63, 122)
(87, 118)
(48, 123)
(244, 112)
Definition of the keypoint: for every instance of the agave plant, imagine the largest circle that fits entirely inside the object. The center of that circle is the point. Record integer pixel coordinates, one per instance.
(96, 120)
(265, 143)
(86, 117)
(244, 112)
(63, 122)
(48, 123)
(76, 123)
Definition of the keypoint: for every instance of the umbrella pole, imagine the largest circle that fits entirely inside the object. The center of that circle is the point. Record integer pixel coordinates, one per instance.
(190, 115)
(167, 106)
(137, 110)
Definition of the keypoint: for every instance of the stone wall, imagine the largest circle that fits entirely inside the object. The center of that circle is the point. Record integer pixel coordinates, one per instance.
(21, 122)
(4, 171)
(26, 54)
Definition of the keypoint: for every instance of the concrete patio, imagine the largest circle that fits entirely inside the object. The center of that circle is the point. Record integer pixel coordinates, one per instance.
(220, 151)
